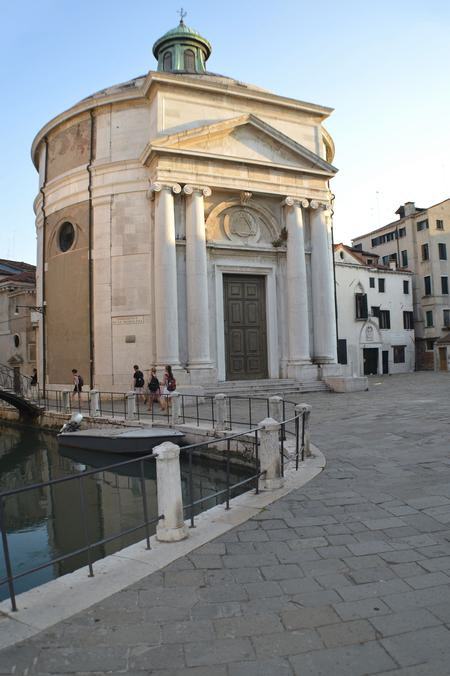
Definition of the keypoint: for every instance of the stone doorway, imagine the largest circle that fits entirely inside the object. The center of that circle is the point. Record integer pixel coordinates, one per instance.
(443, 359)
(370, 356)
(245, 327)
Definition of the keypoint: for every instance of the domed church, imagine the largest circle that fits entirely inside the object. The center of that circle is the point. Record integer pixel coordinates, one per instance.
(184, 218)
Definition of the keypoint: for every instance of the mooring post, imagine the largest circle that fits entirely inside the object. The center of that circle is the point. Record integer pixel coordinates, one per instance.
(220, 401)
(130, 413)
(171, 528)
(269, 454)
(66, 401)
(94, 404)
(176, 405)
(305, 411)
(276, 408)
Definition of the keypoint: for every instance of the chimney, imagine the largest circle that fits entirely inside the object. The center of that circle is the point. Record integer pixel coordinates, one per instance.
(393, 265)
(410, 208)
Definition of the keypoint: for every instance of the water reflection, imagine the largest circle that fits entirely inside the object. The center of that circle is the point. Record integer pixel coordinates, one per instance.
(46, 523)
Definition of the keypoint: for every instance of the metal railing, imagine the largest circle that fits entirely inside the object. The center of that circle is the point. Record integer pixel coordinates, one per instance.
(11, 379)
(248, 437)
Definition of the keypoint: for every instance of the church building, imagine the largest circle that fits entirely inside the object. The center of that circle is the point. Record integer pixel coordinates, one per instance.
(185, 218)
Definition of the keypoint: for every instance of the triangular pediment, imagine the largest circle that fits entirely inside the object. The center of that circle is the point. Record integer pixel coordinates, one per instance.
(242, 139)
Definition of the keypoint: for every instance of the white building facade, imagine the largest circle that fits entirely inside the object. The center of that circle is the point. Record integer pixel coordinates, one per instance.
(375, 315)
(194, 214)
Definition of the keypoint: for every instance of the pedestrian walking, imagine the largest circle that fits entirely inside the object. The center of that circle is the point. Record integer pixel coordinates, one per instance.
(169, 387)
(138, 382)
(77, 385)
(34, 387)
(154, 389)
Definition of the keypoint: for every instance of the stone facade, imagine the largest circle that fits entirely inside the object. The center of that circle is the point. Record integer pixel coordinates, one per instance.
(175, 182)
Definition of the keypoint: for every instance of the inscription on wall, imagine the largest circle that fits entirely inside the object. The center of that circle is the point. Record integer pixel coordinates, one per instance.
(120, 321)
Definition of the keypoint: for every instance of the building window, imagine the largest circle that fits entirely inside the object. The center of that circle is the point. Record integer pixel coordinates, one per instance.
(342, 351)
(425, 252)
(429, 345)
(427, 282)
(408, 320)
(341, 255)
(402, 232)
(167, 61)
(385, 260)
(375, 311)
(385, 319)
(422, 225)
(189, 61)
(361, 305)
(66, 236)
(16, 340)
(358, 247)
(439, 225)
(405, 286)
(31, 351)
(446, 318)
(369, 261)
(381, 285)
(444, 285)
(404, 259)
(442, 251)
(372, 282)
(429, 318)
(399, 354)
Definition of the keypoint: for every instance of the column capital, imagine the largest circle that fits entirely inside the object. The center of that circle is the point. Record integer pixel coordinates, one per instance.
(157, 187)
(191, 189)
(295, 201)
(316, 204)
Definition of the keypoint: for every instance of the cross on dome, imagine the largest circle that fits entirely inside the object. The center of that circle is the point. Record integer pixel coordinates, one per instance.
(182, 14)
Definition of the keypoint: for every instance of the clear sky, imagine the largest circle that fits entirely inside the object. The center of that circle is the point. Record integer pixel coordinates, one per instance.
(383, 66)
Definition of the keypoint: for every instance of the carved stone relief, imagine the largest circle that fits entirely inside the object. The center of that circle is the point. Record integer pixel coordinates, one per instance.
(241, 223)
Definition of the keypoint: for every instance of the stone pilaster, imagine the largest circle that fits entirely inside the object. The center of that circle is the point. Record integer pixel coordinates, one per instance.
(297, 289)
(324, 317)
(165, 275)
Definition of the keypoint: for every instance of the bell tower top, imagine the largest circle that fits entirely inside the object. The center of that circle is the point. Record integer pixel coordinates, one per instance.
(182, 49)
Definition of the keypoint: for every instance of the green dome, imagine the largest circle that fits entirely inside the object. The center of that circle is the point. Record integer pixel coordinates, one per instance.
(182, 49)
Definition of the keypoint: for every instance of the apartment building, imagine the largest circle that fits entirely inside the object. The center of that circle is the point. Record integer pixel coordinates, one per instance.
(375, 314)
(419, 241)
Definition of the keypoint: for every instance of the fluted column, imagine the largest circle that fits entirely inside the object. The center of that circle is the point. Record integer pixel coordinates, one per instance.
(324, 317)
(297, 290)
(165, 275)
(197, 278)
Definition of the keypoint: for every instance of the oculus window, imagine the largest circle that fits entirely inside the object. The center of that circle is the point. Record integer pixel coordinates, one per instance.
(66, 236)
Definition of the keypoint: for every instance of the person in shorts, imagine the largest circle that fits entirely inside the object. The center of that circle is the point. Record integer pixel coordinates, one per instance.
(138, 381)
(154, 389)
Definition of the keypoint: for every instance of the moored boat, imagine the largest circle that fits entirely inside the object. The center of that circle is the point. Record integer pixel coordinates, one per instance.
(125, 440)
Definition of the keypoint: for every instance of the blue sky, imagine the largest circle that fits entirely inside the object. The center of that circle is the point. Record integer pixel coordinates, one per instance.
(384, 67)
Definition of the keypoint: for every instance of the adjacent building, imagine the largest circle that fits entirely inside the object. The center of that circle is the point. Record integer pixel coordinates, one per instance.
(184, 217)
(375, 314)
(17, 320)
(420, 241)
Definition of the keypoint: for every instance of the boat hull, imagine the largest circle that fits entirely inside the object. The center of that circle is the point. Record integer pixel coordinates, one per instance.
(123, 441)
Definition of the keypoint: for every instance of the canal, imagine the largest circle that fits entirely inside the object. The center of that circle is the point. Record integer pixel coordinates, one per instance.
(45, 523)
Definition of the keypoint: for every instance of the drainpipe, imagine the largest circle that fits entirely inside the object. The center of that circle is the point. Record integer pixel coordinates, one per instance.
(334, 272)
(90, 277)
(44, 246)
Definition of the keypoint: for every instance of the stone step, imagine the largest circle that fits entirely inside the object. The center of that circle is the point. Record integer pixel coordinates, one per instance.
(266, 387)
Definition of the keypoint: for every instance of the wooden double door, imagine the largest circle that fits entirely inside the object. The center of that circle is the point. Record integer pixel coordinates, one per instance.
(245, 327)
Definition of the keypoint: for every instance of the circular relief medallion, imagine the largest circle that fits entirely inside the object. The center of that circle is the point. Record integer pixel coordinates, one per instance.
(241, 224)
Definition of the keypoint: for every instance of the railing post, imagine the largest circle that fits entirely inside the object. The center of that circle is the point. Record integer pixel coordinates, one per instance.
(276, 408)
(175, 400)
(66, 401)
(269, 454)
(220, 401)
(94, 404)
(171, 527)
(130, 413)
(305, 411)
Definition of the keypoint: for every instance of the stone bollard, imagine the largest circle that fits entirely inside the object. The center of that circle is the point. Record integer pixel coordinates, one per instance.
(170, 502)
(305, 410)
(94, 403)
(176, 407)
(130, 413)
(269, 454)
(220, 401)
(66, 401)
(276, 408)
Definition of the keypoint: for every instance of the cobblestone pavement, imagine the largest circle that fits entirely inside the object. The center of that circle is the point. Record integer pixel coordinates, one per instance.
(348, 575)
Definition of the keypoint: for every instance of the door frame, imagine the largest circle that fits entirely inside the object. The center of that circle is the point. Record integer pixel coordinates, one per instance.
(378, 360)
(269, 272)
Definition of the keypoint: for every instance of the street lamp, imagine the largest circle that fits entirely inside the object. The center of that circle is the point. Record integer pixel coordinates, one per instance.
(35, 308)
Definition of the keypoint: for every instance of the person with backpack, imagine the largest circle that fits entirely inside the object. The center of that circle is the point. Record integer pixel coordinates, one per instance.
(138, 381)
(77, 383)
(169, 387)
(154, 389)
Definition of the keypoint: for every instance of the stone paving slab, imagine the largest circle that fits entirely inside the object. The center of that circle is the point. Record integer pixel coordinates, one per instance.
(349, 574)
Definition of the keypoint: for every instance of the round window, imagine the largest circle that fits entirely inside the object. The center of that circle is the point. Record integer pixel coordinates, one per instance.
(66, 236)
(16, 340)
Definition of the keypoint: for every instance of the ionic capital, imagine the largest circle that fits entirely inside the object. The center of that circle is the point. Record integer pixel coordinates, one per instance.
(157, 187)
(191, 189)
(295, 201)
(315, 204)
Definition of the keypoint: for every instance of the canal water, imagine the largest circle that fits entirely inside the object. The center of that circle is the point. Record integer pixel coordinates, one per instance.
(45, 523)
